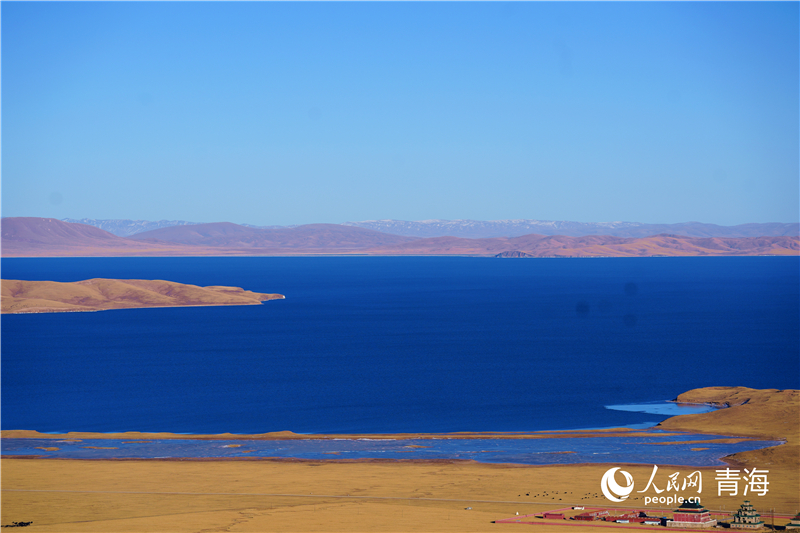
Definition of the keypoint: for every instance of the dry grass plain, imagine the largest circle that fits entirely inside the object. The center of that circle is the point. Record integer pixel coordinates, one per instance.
(263, 495)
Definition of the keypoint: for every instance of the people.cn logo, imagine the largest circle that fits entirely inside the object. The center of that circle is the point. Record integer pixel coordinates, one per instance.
(612, 490)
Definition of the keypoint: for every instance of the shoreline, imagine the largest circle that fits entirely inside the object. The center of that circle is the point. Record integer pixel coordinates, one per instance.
(379, 495)
(289, 435)
(362, 461)
(44, 311)
(741, 414)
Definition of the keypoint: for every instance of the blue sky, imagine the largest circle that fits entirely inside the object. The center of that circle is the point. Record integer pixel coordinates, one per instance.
(294, 113)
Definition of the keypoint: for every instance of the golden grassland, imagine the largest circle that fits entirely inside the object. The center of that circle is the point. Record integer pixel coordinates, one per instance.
(101, 294)
(116, 496)
(768, 413)
(292, 495)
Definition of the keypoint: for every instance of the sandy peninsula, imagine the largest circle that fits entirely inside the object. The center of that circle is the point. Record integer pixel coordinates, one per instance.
(293, 495)
(102, 294)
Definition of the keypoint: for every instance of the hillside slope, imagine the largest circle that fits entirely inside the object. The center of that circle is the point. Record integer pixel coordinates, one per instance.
(99, 294)
(33, 236)
(596, 246)
(767, 413)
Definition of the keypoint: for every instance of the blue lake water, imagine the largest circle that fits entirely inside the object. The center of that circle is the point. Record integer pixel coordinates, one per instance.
(401, 344)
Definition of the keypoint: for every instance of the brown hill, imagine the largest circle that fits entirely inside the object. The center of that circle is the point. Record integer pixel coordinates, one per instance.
(598, 246)
(767, 413)
(32, 236)
(51, 232)
(96, 294)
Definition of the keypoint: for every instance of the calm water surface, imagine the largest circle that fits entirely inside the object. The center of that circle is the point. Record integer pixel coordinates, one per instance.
(384, 345)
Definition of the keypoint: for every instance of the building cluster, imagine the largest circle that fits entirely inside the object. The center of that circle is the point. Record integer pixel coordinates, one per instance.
(689, 515)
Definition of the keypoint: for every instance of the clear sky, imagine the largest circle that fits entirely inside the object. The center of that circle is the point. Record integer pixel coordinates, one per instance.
(294, 113)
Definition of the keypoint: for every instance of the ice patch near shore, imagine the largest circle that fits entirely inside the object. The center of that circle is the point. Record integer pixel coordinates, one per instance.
(665, 408)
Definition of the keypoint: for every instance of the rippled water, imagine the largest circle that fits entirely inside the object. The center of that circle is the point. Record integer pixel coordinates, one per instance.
(656, 449)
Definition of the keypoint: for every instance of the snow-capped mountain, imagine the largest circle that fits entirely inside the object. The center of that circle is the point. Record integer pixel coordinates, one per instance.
(125, 228)
(476, 229)
(480, 229)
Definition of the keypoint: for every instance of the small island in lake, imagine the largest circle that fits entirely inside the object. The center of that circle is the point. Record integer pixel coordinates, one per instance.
(101, 294)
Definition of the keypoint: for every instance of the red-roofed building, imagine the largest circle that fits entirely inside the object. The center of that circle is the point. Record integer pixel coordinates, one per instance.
(691, 515)
(594, 515)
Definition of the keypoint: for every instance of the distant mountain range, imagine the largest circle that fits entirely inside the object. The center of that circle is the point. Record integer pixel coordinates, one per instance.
(47, 237)
(309, 237)
(482, 229)
(479, 229)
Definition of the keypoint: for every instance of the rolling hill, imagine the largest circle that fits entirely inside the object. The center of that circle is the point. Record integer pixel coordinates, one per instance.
(597, 246)
(32, 236)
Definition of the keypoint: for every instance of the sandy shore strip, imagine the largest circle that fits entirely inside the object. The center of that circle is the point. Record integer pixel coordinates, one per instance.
(288, 435)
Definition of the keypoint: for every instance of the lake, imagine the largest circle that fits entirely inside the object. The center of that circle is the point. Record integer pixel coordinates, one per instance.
(401, 344)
